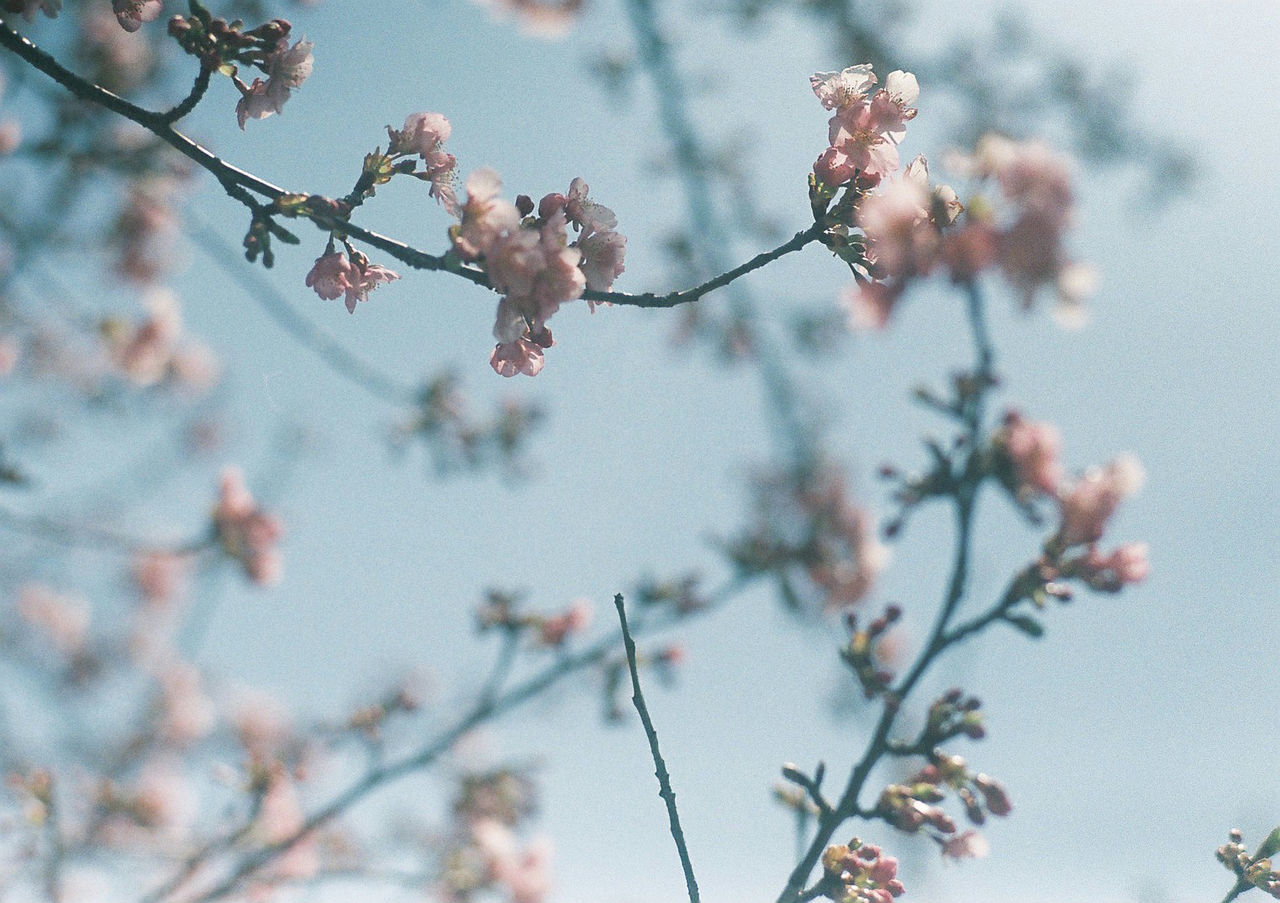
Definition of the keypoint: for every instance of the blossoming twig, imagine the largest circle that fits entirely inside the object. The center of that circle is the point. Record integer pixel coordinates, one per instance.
(660, 767)
(238, 184)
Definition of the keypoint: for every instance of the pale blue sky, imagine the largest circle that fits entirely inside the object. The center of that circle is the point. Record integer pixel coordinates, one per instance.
(1131, 738)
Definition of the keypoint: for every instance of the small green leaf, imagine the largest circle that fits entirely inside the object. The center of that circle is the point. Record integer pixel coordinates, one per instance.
(1270, 846)
(1027, 624)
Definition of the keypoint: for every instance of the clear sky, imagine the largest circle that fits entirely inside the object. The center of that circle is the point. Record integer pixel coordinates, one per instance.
(1131, 738)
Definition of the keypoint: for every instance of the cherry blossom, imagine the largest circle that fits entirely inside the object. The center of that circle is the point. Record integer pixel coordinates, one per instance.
(337, 274)
(1032, 448)
(1088, 503)
(132, 13)
(287, 68)
(246, 532)
(864, 132)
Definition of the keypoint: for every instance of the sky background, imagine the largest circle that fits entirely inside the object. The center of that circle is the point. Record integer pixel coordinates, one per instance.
(1131, 737)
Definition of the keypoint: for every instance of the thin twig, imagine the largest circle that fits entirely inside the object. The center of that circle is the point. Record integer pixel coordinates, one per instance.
(660, 767)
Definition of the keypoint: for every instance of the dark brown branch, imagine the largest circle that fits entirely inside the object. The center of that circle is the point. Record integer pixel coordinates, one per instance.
(660, 767)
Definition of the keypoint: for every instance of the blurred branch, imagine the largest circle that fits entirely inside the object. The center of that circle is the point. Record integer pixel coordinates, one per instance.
(277, 306)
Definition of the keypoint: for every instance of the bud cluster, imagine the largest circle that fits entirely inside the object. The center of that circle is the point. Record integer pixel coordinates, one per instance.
(813, 538)
(1252, 869)
(501, 611)
(865, 655)
(912, 805)
(859, 873)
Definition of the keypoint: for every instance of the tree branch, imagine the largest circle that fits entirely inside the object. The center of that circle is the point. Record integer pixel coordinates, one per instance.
(241, 186)
(660, 767)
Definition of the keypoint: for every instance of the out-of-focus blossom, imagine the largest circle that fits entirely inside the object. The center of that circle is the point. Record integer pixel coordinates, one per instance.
(132, 13)
(159, 576)
(966, 845)
(1109, 573)
(146, 229)
(63, 619)
(151, 351)
(186, 711)
(287, 68)
(869, 305)
(261, 724)
(1032, 448)
(10, 354)
(29, 8)
(246, 532)
(280, 817)
(555, 630)
(525, 874)
(807, 523)
(1087, 504)
(542, 18)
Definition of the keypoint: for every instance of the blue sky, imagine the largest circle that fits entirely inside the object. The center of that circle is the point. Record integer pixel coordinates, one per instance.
(1132, 737)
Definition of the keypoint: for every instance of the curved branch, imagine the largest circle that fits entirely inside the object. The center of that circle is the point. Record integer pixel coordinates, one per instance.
(242, 185)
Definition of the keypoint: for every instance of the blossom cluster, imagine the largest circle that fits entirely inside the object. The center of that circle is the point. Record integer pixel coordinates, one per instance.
(1252, 869)
(486, 853)
(1028, 466)
(807, 523)
(246, 532)
(347, 274)
(153, 350)
(501, 610)
(913, 805)
(221, 45)
(859, 873)
(532, 262)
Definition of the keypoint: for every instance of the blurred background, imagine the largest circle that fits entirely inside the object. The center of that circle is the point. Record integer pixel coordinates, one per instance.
(1131, 737)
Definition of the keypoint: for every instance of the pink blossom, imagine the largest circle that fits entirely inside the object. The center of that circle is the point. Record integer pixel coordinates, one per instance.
(868, 305)
(900, 239)
(10, 136)
(144, 352)
(50, 8)
(330, 275)
(247, 533)
(1088, 503)
(132, 13)
(280, 818)
(586, 215)
(1033, 447)
(837, 90)
(543, 18)
(602, 259)
(1125, 565)
(968, 845)
(423, 134)
(63, 619)
(520, 356)
(485, 217)
(159, 576)
(10, 354)
(187, 714)
(261, 724)
(577, 618)
(338, 274)
(287, 68)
